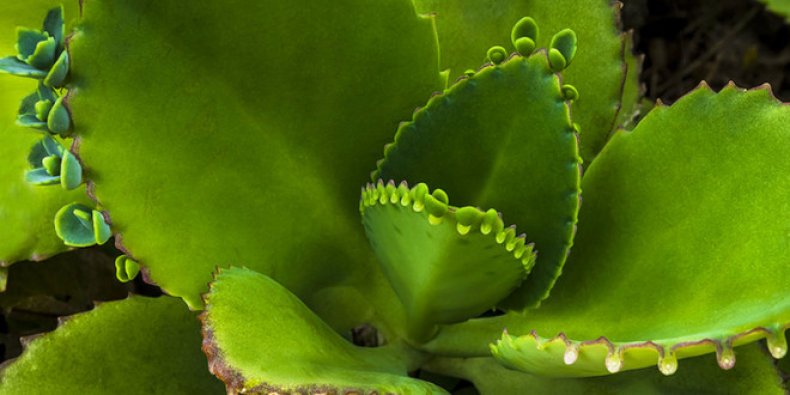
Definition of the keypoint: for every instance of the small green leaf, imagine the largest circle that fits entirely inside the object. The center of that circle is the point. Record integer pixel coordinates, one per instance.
(57, 75)
(30, 121)
(54, 26)
(101, 229)
(12, 65)
(126, 269)
(59, 120)
(80, 226)
(496, 55)
(562, 49)
(44, 55)
(71, 173)
(52, 165)
(40, 176)
(27, 41)
(526, 27)
(260, 338)
(42, 109)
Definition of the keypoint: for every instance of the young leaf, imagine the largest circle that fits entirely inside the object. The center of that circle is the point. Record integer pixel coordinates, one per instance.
(447, 264)
(501, 138)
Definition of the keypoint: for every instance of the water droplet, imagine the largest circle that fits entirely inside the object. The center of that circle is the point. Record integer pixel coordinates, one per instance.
(668, 364)
(726, 358)
(571, 353)
(614, 362)
(777, 344)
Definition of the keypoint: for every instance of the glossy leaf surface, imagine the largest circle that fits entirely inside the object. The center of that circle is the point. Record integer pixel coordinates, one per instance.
(260, 338)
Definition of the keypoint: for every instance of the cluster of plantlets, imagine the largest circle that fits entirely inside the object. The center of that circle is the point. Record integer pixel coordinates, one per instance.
(222, 143)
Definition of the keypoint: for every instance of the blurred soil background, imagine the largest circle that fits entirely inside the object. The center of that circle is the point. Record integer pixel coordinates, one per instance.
(688, 41)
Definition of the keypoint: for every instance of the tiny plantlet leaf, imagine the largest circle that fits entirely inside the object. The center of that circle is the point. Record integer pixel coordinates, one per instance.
(564, 42)
(44, 55)
(70, 171)
(12, 65)
(126, 269)
(59, 120)
(496, 55)
(27, 42)
(80, 226)
(52, 165)
(526, 27)
(42, 108)
(54, 26)
(57, 75)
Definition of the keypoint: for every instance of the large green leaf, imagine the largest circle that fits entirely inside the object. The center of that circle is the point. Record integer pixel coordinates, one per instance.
(260, 338)
(468, 28)
(26, 210)
(683, 243)
(135, 346)
(235, 132)
(501, 138)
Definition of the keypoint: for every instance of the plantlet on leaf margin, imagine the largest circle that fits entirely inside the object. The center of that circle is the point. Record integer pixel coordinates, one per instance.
(81, 226)
(52, 163)
(39, 50)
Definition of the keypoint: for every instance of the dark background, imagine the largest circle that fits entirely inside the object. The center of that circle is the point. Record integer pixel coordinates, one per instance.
(687, 41)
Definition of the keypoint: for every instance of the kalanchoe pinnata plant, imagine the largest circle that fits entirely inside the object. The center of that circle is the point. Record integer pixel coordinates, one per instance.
(223, 144)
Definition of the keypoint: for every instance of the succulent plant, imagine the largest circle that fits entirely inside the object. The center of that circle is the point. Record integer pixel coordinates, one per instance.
(223, 145)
